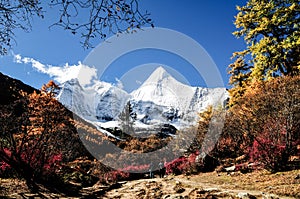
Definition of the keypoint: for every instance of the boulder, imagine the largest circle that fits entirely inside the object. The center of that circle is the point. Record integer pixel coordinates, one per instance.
(243, 195)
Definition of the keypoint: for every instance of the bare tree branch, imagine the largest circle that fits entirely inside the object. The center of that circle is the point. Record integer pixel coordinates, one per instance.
(92, 19)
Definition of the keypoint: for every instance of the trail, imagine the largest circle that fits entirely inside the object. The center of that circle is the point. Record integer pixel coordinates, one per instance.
(209, 186)
(175, 187)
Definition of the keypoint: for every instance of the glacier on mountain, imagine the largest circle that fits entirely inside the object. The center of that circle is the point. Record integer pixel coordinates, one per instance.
(160, 100)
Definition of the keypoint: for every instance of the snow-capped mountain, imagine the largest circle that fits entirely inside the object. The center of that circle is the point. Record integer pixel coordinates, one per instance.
(161, 99)
(162, 89)
(100, 102)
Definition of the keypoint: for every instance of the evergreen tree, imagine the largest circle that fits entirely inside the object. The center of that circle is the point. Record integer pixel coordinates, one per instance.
(272, 35)
(239, 79)
(126, 118)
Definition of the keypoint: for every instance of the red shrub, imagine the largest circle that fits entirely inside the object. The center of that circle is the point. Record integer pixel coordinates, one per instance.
(47, 165)
(182, 164)
(136, 168)
(53, 162)
(116, 175)
(4, 166)
(271, 153)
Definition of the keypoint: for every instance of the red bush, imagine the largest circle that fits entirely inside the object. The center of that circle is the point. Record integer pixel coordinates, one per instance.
(4, 166)
(182, 164)
(269, 151)
(116, 175)
(136, 168)
(31, 158)
(53, 162)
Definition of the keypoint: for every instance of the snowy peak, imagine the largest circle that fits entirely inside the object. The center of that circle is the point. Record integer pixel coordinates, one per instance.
(161, 78)
(101, 101)
(158, 75)
(162, 89)
(161, 99)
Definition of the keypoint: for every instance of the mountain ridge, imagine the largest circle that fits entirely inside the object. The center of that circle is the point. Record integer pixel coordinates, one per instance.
(10, 89)
(159, 100)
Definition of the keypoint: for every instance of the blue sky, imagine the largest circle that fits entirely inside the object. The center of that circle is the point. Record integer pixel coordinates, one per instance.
(210, 23)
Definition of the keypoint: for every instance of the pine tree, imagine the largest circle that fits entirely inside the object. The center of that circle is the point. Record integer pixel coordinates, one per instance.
(240, 72)
(272, 35)
(126, 118)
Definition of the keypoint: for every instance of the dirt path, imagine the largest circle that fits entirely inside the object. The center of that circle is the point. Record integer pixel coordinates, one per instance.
(180, 187)
(261, 185)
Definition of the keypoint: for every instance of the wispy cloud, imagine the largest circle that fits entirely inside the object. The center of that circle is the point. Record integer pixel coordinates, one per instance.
(119, 83)
(85, 74)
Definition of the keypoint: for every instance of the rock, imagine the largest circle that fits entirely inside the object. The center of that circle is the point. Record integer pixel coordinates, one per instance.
(122, 182)
(269, 196)
(230, 169)
(167, 196)
(30, 195)
(243, 195)
(210, 197)
(177, 197)
(141, 193)
(179, 189)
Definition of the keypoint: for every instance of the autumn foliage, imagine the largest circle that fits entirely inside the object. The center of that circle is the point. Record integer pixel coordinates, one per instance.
(36, 135)
(39, 140)
(266, 121)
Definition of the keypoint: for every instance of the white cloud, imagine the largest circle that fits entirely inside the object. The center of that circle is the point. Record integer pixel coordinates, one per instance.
(119, 84)
(35, 64)
(18, 59)
(85, 74)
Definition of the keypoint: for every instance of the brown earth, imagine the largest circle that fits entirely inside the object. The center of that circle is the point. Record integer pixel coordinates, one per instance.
(258, 184)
